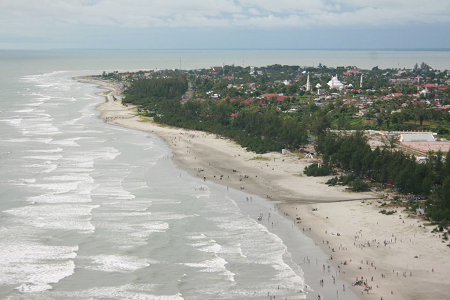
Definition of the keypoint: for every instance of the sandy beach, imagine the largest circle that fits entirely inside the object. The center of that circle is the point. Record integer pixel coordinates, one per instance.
(396, 255)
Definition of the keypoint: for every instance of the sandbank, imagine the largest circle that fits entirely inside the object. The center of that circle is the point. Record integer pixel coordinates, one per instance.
(405, 260)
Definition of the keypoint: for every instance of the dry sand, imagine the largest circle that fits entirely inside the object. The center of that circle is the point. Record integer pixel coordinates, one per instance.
(404, 258)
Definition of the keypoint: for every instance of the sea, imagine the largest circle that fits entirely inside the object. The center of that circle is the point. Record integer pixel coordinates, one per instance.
(94, 211)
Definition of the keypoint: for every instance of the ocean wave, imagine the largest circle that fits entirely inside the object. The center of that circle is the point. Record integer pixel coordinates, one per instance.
(214, 265)
(129, 291)
(65, 216)
(116, 263)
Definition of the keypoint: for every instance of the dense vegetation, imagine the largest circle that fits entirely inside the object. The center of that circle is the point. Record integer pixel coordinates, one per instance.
(389, 169)
(257, 130)
(149, 94)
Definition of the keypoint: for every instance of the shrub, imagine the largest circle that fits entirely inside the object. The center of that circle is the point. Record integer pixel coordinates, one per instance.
(360, 186)
(316, 170)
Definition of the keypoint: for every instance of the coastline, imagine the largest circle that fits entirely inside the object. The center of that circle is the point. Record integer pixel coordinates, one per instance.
(279, 178)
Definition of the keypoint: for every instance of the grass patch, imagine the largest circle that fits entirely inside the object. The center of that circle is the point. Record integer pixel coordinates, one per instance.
(260, 158)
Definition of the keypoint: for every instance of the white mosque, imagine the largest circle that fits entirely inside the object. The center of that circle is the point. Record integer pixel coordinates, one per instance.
(334, 83)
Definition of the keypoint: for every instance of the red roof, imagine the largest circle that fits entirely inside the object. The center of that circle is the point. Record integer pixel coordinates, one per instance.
(396, 94)
(443, 107)
(268, 96)
(249, 101)
(442, 87)
(429, 85)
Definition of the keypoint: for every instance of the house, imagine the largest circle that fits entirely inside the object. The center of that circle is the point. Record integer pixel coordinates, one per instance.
(395, 95)
(279, 97)
(430, 85)
(352, 72)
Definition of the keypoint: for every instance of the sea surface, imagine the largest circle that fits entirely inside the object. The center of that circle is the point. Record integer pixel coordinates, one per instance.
(94, 211)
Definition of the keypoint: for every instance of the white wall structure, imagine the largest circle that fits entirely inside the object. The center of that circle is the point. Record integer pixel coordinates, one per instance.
(334, 83)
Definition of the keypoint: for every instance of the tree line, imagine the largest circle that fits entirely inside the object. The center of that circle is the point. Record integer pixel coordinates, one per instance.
(258, 130)
(389, 169)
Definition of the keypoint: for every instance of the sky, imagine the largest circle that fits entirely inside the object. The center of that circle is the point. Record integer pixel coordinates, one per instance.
(224, 24)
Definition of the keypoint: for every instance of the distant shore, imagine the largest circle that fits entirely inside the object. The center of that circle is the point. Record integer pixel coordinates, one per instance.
(405, 260)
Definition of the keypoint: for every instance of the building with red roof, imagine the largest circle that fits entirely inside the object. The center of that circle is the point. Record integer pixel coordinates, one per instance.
(270, 96)
(430, 85)
(394, 95)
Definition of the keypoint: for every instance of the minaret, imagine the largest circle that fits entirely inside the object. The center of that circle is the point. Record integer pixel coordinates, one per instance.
(418, 84)
(308, 84)
(360, 83)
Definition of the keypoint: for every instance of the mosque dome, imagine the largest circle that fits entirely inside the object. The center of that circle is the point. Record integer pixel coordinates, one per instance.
(334, 83)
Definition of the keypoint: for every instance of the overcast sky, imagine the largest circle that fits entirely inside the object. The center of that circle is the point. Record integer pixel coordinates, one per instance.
(224, 24)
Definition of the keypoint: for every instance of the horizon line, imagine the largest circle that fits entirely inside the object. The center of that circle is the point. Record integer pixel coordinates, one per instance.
(231, 49)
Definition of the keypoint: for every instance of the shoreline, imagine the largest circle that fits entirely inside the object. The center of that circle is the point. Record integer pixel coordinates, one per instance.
(364, 234)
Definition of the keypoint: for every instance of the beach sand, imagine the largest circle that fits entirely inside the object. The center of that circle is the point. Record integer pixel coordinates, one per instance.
(405, 260)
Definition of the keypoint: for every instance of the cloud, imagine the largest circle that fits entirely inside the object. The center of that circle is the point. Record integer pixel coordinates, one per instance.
(22, 15)
(284, 6)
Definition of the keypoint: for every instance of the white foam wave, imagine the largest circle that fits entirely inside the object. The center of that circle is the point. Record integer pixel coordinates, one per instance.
(66, 142)
(39, 276)
(197, 237)
(31, 265)
(44, 157)
(60, 198)
(232, 249)
(152, 227)
(86, 160)
(125, 215)
(165, 201)
(39, 129)
(57, 187)
(29, 180)
(113, 193)
(45, 85)
(169, 216)
(117, 263)
(56, 150)
(61, 216)
(25, 110)
(139, 205)
(215, 265)
(27, 140)
(129, 291)
(71, 177)
(212, 247)
(46, 168)
(13, 122)
(26, 288)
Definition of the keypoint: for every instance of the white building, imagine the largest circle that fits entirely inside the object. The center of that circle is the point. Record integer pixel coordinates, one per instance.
(334, 83)
(417, 137)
